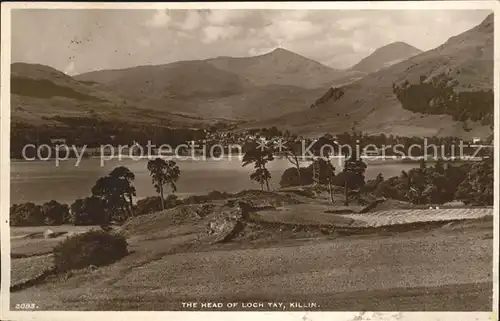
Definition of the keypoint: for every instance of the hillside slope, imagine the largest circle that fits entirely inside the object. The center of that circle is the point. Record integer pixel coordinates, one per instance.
(39, 93)
(259, 87)
(370, 105)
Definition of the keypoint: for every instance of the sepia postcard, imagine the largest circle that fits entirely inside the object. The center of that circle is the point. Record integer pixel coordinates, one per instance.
(297, 160)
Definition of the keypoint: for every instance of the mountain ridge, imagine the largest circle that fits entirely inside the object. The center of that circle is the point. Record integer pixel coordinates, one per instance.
(273, 89)
(370, 105)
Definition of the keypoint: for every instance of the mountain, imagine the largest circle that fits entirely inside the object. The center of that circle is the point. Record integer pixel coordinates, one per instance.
(371, 105)
(279, 67)
(39, 93)
(249, 88)
(385, 56)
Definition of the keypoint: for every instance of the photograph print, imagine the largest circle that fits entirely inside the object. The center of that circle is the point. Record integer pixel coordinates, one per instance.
(225, 159)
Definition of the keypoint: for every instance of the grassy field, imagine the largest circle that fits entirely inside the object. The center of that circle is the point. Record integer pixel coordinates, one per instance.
(29, 241)
(28, 268)
(446, 268)
(31, 253)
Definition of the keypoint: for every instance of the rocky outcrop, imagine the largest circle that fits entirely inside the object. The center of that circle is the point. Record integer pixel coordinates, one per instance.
(227, 224)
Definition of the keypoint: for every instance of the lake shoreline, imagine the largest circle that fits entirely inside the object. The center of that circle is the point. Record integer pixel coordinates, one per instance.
(42, 181)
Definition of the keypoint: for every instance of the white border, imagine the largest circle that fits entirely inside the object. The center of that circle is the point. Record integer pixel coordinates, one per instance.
(6, 314)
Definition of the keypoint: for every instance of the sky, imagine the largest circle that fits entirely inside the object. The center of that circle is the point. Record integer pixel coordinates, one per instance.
(82, 40)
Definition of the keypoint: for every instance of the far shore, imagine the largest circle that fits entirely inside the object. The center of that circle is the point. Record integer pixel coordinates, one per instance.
(198, 157)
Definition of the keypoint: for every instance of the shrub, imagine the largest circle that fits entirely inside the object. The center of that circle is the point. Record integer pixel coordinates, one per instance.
(91, 248)
(391, 188)
(290, 177)
(87, 211)
(352, 180)
(148, 205)
(200, 199)
(26, 214)
(152, 204)
(55, 213)
(217, 195)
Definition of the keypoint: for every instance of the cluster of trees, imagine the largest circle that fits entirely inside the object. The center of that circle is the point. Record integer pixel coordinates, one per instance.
(322, 171)
(111, 199)
(259, 154)
(471, 183)
(438, 96)
(351, 179)
(477, 187)
(30, 214)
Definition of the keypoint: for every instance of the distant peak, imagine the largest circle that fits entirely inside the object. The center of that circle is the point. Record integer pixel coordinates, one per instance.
(399, 45)
(281, 51)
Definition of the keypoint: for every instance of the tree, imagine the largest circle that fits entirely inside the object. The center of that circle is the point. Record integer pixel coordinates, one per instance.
(261, 175)
(26, 214)
(162, 173)
(422, 163)
(87, 211)
(439, 166)
(325, 147)
(126, 177)
(55, 213)
(477, 187)
(259, 155)
(113, 190)
(354, 175)
(416, 184)
(292, 150)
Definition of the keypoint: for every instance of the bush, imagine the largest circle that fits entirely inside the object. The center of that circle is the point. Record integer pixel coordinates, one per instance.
(200, 199)
(148, 205)
(26, 214)
(352, 180)
(55, 213)
(391, 188)
(91, 248)
(217, 195)
(290, 177)
(152, 204)
(87, 211)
